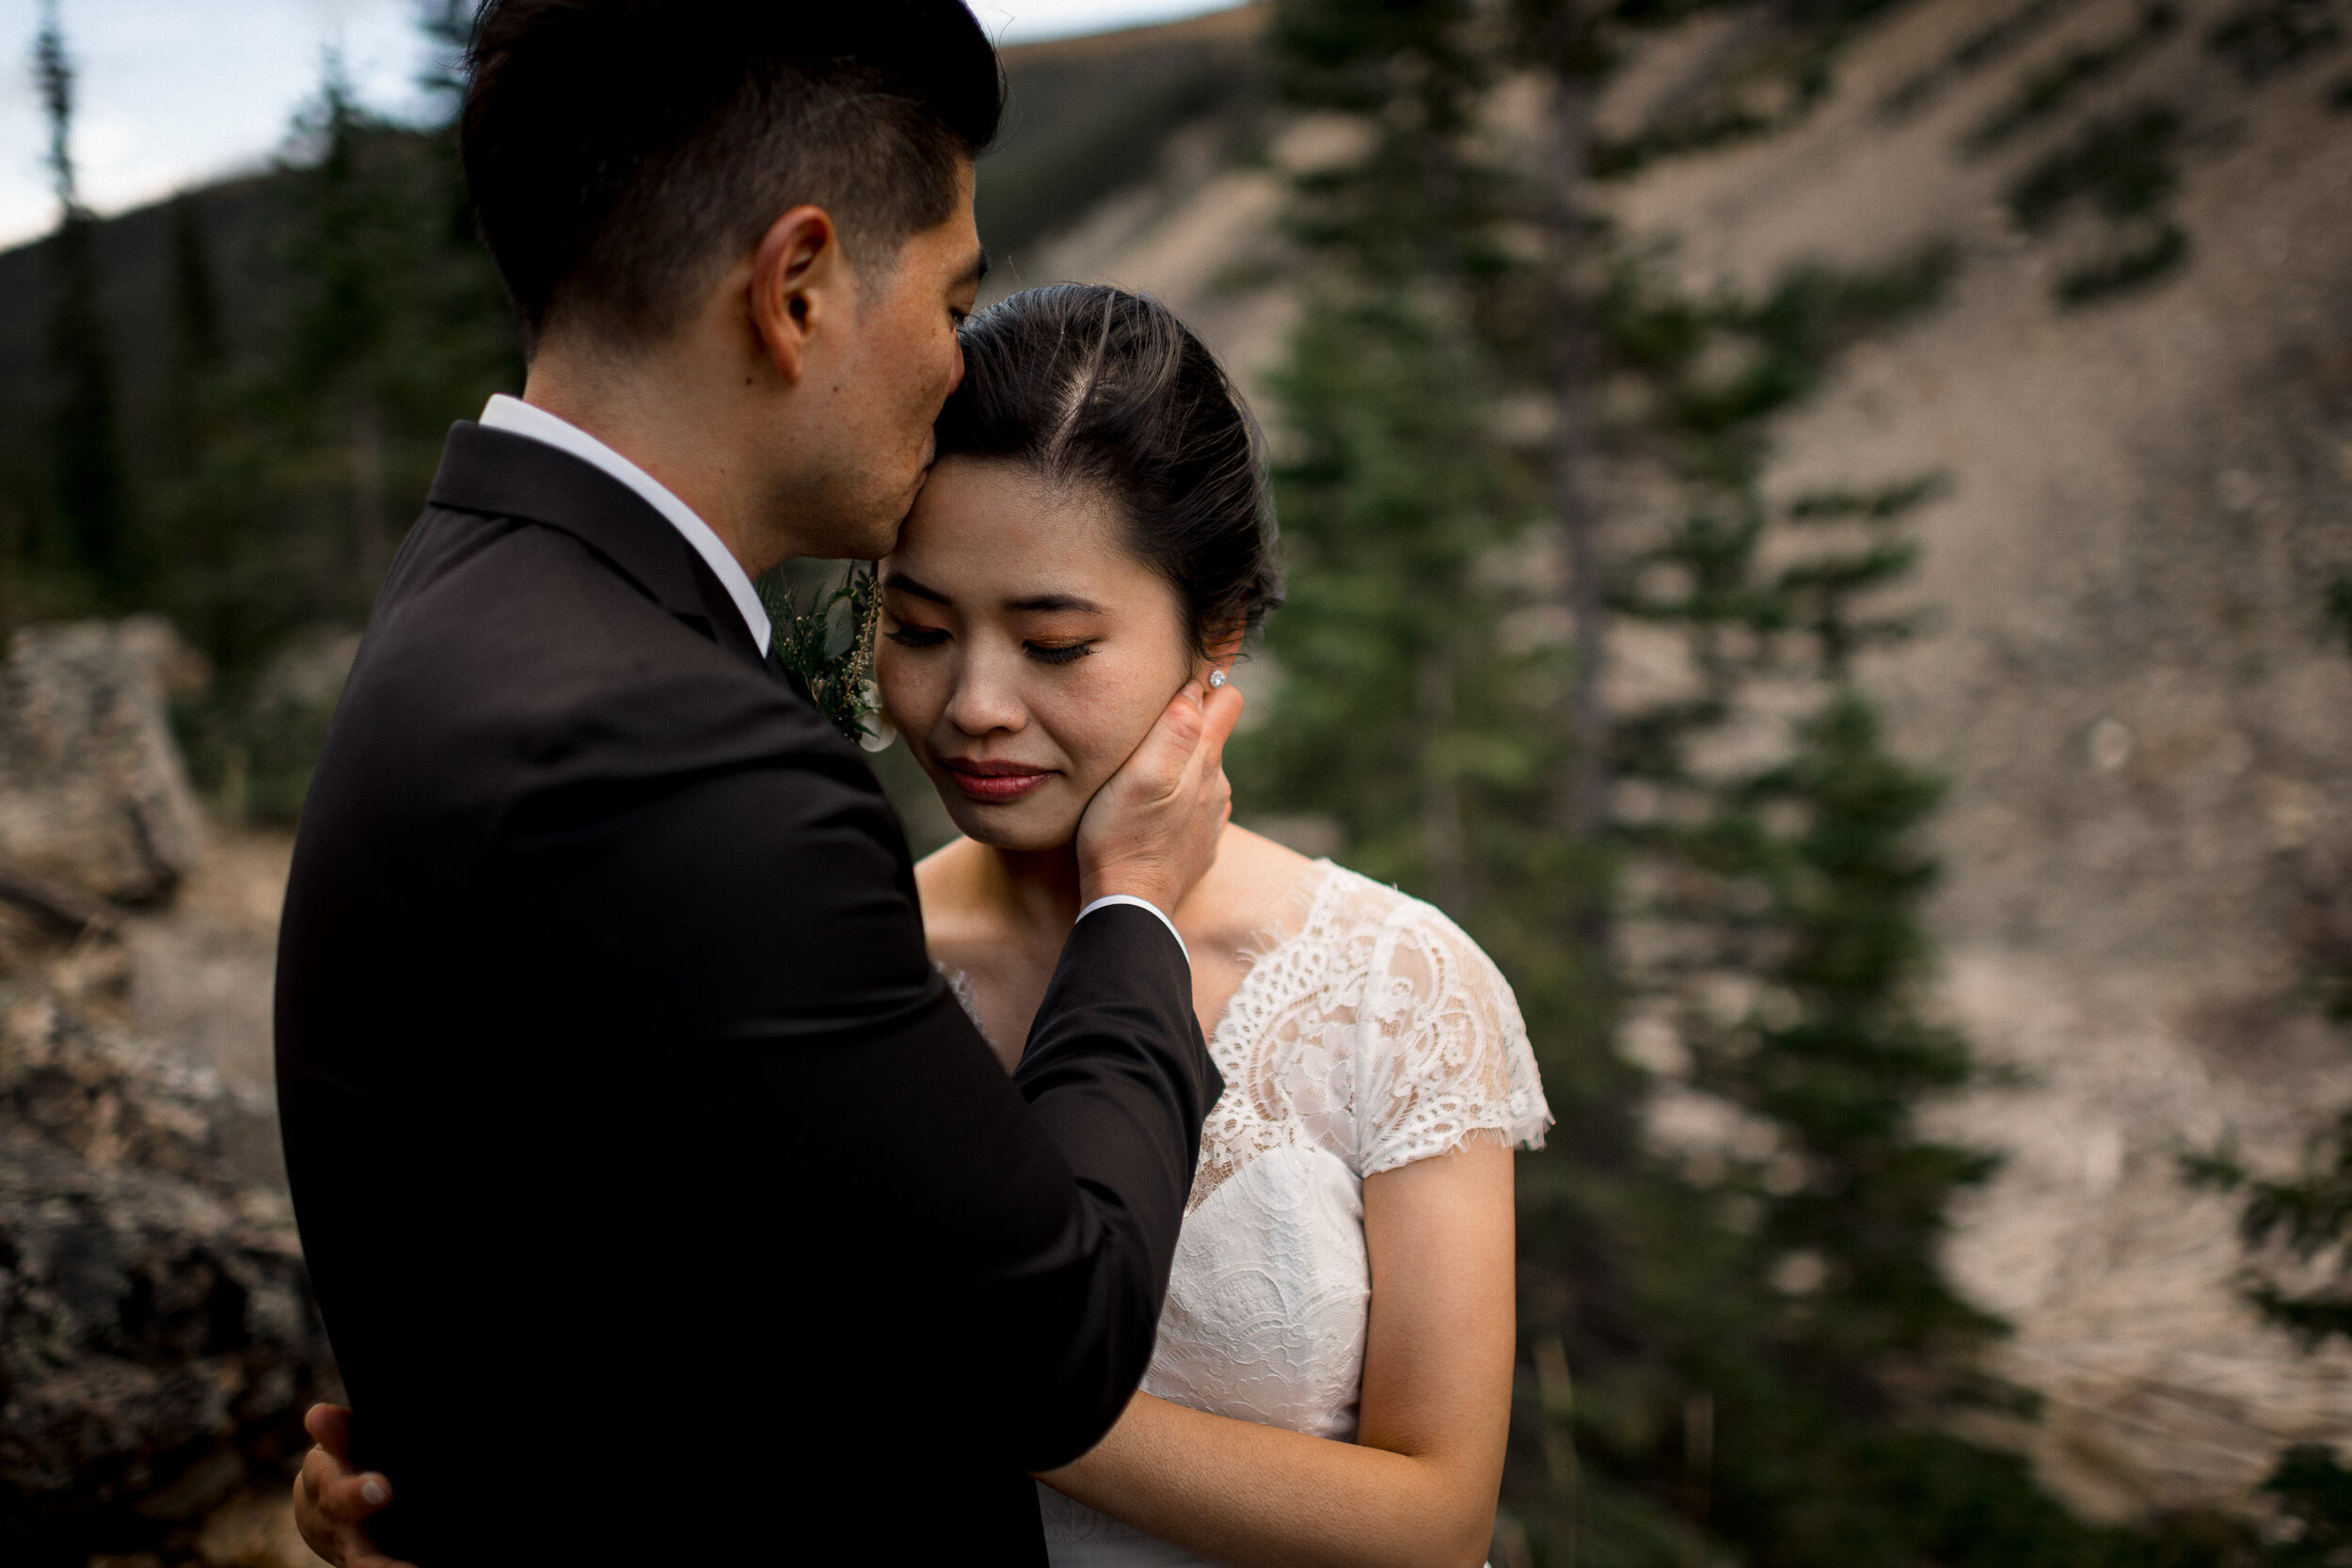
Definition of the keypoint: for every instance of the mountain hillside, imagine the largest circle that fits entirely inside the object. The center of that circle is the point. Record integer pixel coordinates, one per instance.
(2135, 660)
(2130, 673)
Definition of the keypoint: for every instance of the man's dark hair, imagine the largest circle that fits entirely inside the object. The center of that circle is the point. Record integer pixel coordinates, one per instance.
(620, 151)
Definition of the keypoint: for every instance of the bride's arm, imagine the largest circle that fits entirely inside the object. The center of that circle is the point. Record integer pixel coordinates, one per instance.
(1417, 1489)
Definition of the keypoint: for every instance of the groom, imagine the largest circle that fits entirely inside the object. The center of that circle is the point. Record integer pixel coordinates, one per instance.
(663, 1205)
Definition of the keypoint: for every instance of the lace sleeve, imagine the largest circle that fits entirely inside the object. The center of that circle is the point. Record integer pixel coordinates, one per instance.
(1449, 1062)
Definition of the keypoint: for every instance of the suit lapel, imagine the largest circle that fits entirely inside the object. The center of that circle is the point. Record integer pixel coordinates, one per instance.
(501, 474)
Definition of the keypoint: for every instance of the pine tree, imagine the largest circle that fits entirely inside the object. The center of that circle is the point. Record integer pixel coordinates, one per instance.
(1743, 1350)
(90, 493)
(2296, 1229)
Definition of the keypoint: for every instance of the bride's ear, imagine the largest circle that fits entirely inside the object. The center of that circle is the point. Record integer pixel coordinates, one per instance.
(798, 276)
(1224, 652)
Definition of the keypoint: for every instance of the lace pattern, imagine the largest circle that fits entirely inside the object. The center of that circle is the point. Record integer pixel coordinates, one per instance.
(1377, 1032)
(1370, 1032)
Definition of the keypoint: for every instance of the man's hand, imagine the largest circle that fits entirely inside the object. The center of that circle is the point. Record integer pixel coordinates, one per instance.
(333, 1501)
(1151, 830)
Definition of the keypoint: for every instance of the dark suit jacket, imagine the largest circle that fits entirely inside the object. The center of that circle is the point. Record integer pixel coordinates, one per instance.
(662, 1204)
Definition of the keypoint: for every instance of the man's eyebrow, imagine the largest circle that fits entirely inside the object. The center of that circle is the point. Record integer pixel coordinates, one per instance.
(898, 582)
(1065, 602)
(977, 272)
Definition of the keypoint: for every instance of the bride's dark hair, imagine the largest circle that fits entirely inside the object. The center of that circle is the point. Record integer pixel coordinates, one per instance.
(1083, 383)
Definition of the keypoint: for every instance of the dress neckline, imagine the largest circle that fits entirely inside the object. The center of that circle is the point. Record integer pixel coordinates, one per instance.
(1325, 871)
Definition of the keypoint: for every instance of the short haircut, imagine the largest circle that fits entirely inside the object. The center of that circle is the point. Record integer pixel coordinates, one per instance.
(620, 153)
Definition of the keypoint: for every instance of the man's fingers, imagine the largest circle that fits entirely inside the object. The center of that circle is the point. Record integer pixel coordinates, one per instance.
(1175, 738)
(353, 1499)
(329, 1426)
(1220, 713)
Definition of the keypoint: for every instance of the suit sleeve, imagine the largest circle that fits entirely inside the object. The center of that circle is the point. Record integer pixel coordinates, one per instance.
(763, 924)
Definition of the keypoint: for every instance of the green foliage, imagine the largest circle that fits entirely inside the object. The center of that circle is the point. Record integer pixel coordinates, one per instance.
(824, 636)
(2263, 38)
(322, 428)
(1739, 1354)
(2125, 168)
(1746, 1351)
(286, 425)
(2315, 1492)
(1770, 82)
(2123, 165)
(90, 500)
(2305, 1220)
(2052, 87)
(2338, 608)
(1980, 50)
(2161, 253)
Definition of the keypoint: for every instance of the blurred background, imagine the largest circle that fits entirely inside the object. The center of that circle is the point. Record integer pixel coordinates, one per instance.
(1820, 531)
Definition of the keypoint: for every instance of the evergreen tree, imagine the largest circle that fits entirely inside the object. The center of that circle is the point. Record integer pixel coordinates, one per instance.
(90, 494)
(198, 347)
(1743, 1350)
(2297, 1233)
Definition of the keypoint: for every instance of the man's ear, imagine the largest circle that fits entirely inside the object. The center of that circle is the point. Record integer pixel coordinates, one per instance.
(800, 281)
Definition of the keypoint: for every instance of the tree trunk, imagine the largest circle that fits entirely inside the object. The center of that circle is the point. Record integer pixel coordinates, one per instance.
(374, 549)
(1440, 787)
(1585, 796)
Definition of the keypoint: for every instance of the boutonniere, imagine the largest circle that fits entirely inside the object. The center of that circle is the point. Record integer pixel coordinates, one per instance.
(828, 642)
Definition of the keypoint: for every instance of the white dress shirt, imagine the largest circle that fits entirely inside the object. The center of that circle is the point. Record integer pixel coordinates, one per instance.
(517, 417)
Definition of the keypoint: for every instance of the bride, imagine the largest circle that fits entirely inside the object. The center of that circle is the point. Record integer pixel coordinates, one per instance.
(1333, 1379)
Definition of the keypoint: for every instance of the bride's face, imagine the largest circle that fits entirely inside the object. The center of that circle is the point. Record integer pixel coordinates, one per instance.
(1025, 651)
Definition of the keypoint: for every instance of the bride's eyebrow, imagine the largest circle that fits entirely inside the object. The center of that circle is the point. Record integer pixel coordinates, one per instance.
(1063, 603)
(898, 582)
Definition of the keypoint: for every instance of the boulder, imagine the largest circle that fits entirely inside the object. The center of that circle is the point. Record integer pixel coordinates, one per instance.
(94, 801)
(158, 1341)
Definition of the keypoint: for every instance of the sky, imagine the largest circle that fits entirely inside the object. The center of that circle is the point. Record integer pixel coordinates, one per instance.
(177, 92)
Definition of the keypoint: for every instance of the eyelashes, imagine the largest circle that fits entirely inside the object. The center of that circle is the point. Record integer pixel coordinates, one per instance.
(1064, 652)
(1043, 653)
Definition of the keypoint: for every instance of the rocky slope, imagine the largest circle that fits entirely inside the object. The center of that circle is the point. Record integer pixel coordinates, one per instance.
(2134, 687)
(2131, 679)
(157, 1340)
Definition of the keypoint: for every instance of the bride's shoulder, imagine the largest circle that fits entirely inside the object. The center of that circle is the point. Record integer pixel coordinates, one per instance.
(1353, 902)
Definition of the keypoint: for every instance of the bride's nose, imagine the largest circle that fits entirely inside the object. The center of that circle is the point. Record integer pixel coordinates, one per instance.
(987, 695)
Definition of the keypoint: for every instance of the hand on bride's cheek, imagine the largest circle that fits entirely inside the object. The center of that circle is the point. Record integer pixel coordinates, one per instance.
(1025, 651)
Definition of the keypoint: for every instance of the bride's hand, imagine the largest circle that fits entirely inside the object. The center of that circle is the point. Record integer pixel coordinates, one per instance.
(334, 1501)
(1151, 830)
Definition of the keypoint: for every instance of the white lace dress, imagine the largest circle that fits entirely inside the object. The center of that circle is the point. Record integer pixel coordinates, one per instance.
(1371, 1035)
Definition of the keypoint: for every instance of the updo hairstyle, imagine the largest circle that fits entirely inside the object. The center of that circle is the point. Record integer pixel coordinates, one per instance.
(1086, 384)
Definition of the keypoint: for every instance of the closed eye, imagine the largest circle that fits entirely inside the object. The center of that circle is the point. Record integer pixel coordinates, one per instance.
(916, 637)
(1059, 652)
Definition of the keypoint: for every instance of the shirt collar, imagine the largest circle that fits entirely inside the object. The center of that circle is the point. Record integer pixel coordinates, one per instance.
(517, 417)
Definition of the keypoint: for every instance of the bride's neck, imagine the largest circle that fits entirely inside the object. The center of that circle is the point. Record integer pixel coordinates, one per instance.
(1035, 890)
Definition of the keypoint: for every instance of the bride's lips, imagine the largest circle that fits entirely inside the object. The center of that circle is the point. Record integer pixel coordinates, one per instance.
(995, 780)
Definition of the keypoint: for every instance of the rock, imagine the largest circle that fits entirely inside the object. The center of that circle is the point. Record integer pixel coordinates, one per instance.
(158, 1342)
(94, 802)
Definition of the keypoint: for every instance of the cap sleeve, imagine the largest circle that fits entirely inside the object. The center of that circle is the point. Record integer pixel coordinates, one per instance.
(1449, 1058)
